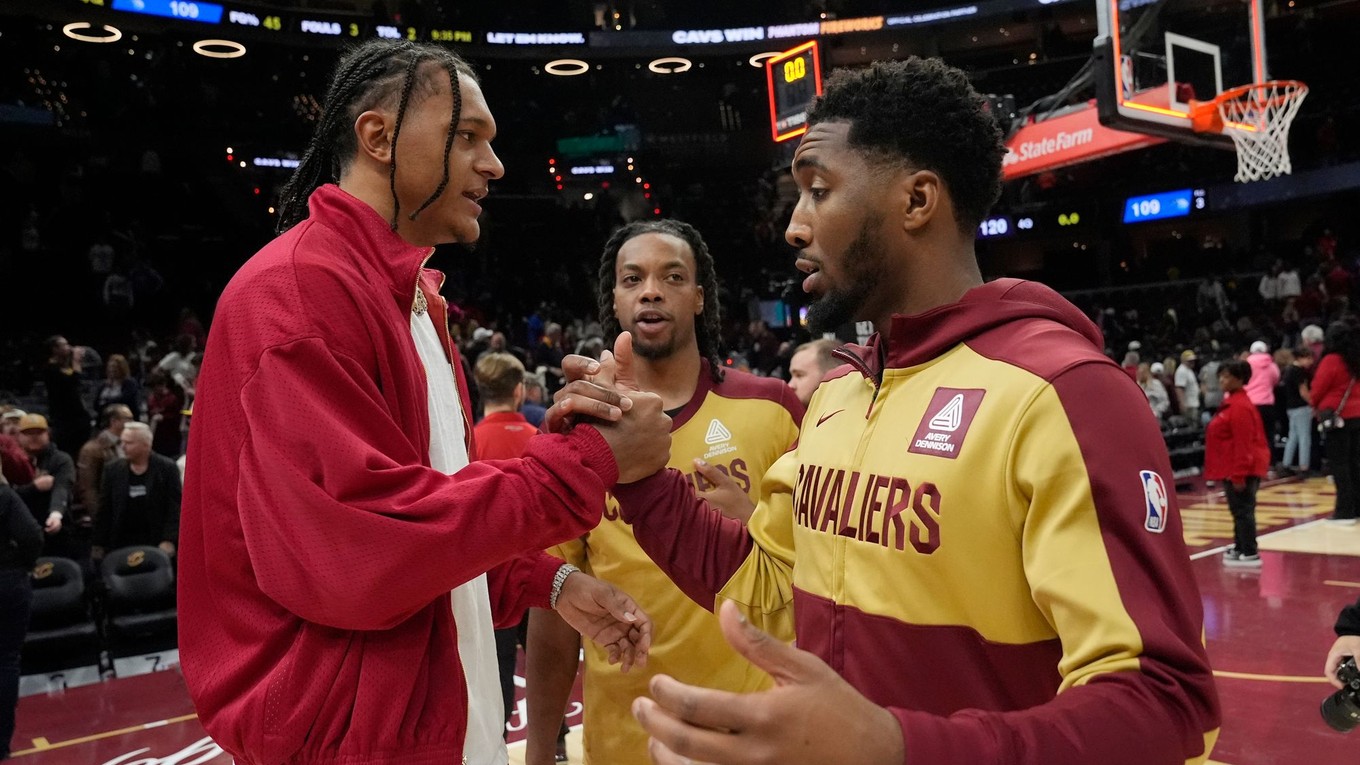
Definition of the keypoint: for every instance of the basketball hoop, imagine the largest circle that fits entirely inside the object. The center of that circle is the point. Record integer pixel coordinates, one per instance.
(1257, 118)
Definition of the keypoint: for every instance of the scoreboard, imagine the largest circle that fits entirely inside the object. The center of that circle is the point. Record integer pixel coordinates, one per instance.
(794, 78)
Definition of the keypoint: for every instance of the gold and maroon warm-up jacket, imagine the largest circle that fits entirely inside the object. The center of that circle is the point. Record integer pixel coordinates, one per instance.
(977, 531)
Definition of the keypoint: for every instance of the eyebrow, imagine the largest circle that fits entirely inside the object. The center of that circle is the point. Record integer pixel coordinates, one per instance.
(478, 122)
(677, 263)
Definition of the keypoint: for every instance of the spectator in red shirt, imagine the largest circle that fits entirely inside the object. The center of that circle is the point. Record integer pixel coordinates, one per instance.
(501, 435)
(1338, 284)
(1235, 452)
(1332, 393)
(14, 464)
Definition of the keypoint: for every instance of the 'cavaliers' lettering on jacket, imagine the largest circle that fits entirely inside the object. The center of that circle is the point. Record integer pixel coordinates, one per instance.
(977, 533)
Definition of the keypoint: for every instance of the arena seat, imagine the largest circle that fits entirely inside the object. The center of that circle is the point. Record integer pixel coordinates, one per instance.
(61, 613)
(140, 591)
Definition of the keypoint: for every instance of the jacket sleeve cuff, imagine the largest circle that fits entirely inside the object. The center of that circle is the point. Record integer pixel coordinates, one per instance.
(928, 738)
(540, 579)
(595, 453)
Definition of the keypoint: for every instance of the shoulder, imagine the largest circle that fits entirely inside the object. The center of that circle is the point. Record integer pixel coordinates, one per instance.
(737, 384)
(743, 386)
(1044, 348)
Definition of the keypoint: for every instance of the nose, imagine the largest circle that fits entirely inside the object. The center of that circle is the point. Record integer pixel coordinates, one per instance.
(651, 290)
(799, 233)
(490, 166)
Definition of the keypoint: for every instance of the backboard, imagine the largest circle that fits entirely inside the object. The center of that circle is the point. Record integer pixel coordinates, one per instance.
(1153, 57)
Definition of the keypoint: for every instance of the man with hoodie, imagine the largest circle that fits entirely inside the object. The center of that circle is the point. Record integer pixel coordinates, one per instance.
(1265, 375)
(975, 536)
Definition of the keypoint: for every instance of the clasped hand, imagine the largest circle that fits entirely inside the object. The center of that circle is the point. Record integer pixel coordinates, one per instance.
(598, 393)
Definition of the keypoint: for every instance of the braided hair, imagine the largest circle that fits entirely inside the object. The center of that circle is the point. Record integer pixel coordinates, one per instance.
(708, 329)
(370, 75)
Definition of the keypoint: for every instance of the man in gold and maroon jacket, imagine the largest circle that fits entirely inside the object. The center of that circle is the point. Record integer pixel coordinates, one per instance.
(975, 536)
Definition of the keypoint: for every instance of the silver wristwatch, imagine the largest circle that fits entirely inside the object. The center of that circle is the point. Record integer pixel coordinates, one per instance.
(559, 579)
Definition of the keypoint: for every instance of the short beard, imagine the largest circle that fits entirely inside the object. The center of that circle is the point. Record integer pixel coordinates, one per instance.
(839, 307)
(655, 352)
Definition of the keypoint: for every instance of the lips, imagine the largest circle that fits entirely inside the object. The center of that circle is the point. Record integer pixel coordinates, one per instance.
(651, 320)
(475, 196)
(813, 271)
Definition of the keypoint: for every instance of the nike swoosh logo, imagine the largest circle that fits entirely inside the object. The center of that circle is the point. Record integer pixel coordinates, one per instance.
(826, 417)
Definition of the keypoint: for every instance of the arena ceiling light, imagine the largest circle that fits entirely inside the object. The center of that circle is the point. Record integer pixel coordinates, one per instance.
(566, 67)
(78, 31)
(219, 48)
(758, 60)
(670, 65)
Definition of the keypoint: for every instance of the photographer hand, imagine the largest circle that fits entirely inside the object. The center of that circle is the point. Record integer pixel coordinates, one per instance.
(1346, 645)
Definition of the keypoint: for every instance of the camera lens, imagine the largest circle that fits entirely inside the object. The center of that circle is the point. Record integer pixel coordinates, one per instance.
(1340, 711)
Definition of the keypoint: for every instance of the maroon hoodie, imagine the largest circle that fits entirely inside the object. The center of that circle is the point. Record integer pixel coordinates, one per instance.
(976, 530)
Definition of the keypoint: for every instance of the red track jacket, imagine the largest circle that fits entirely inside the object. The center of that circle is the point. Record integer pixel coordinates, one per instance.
(318, 547)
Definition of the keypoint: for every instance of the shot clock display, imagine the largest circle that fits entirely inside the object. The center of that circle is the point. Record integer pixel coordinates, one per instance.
(794, 78)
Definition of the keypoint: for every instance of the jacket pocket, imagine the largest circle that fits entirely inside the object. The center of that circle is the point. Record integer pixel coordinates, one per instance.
(299, 687)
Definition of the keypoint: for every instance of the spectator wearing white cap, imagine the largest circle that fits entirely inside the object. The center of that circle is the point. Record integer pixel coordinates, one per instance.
(1265, 375)
(1187, 386)
(1154, 390)
(1312, 336)
(1131, 360)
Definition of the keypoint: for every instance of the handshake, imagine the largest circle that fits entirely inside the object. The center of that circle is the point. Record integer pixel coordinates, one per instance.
(605, 395)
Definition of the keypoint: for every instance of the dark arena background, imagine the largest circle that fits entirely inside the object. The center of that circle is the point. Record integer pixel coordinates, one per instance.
(146, 143)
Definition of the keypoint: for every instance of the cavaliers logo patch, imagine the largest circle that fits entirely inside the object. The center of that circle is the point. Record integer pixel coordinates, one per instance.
(946, 422)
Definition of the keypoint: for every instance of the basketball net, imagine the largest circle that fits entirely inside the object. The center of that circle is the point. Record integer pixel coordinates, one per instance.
(1257, 118)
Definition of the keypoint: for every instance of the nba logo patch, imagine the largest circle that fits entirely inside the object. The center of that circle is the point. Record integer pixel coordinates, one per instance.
(1154, 500)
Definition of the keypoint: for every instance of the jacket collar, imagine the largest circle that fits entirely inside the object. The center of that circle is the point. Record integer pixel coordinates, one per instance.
(375, 243)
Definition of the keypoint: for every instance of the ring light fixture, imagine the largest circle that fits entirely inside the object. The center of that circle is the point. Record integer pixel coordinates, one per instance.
(76, 31)
(566, 67)
(670, 65)
(219, 48)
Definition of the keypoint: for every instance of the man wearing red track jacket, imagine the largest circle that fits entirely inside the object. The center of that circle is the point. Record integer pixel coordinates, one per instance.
(341, 563)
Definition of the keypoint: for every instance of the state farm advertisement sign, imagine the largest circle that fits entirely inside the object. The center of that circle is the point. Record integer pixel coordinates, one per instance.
(1066, 140)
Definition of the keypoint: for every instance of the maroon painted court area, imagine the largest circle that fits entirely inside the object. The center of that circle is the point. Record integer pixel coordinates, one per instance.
(1267, 633)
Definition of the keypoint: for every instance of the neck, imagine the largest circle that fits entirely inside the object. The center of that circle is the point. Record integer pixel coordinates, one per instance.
(673, 378)
(139, 466)
(374, 191)
(939, 275)
(491, 408)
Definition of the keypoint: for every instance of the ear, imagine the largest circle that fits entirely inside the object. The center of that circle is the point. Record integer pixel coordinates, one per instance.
(922, 198)
(699, 301)
(373, 133)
